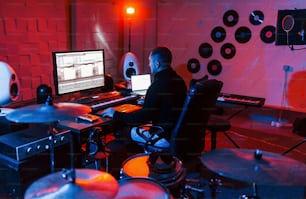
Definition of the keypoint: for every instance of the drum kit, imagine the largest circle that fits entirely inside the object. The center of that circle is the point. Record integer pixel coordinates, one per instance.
(143, 174)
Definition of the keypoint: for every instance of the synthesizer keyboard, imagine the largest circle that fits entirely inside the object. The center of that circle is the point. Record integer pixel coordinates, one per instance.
(96, 98)
(121, 100)
(241, 99)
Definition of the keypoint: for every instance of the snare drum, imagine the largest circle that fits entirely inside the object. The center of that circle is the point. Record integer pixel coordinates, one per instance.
(136, 166)
(143, 188)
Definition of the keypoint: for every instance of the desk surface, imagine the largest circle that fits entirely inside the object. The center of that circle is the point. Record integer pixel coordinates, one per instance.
(82, 126)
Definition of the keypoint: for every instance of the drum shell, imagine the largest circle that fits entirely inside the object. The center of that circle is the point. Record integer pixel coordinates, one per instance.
(136, 166)
(141, 187)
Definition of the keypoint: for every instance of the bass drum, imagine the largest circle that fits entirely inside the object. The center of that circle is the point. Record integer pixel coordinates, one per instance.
(143, 188)
(137, 167)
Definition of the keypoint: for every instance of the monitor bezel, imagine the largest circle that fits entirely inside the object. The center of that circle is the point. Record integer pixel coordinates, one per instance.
(55, 75)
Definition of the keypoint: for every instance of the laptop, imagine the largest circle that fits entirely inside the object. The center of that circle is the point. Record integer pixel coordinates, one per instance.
(140, 84)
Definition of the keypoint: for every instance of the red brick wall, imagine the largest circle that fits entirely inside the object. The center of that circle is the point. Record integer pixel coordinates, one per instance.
(29, 31)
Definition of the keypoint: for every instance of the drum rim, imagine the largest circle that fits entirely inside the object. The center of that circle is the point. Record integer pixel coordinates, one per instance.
(166, 179)
(151, 180)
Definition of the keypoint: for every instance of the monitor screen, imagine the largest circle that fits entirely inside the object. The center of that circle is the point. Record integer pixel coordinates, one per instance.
(76, 71)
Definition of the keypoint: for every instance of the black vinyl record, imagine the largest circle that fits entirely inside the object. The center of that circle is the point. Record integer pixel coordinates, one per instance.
(205, 50)
(228, 51)
(267, 34)
(243, 34)
(193, 65)
(218, 34)
(256, 17)
(230, 18)
(214, 67)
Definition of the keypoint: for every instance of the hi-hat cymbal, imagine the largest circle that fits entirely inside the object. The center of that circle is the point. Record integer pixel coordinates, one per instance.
(89, 183)
(254, 166)
(46, 113)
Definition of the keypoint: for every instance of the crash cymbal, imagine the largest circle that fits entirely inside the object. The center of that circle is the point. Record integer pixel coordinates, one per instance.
(46, 113)
(255, 166)
(89, 183)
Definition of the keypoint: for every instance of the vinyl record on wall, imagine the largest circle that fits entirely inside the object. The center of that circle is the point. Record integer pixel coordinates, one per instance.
(243, 34)
(228, 51)
(205, 50)
(193, 65)
(218, 34)
(214, 67)
(230, 18)
(256, 17)
(267, 34)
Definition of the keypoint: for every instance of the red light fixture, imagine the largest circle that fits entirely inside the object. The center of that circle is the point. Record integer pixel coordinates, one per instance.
(130, 10)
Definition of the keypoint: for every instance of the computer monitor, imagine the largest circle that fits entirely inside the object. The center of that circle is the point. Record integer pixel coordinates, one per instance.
(76, 71)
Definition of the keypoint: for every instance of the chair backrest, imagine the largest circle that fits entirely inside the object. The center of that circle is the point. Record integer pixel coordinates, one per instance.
(187, 138)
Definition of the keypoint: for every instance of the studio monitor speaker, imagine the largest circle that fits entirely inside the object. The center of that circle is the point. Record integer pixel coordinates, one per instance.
(42, 93)
(108, 83)
(130, 65)
(9, 84)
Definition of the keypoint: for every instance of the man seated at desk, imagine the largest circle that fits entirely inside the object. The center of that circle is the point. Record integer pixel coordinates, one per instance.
(162, 105)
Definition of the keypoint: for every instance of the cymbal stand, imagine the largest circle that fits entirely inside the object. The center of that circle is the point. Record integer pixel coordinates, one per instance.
(70, 173)
(254, 196)
(67, 173)
(51, 138)
(214, 183)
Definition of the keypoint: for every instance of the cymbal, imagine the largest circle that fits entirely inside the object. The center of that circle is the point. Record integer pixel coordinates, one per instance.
(254, 166)
(46, 113)
(89, 183)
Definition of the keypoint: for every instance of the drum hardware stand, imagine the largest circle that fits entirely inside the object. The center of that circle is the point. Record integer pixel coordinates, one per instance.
(192, 184)
(294, 147)
(70, 173)
(51, 138)
(213, 184)
(254, 196)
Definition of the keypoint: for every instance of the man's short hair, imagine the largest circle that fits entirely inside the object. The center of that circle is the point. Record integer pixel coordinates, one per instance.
(163, 54)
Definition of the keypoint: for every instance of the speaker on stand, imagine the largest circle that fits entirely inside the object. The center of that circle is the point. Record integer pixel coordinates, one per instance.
(9, 84)
(129, 61)
(130, 65)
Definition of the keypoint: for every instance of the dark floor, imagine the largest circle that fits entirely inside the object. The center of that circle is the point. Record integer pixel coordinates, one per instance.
(250, 129)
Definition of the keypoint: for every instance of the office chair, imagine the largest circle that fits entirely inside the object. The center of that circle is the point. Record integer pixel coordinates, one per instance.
(216, 124)
(188, 137)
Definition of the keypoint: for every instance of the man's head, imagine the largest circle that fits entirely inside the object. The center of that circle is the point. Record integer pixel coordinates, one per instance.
(160, 58)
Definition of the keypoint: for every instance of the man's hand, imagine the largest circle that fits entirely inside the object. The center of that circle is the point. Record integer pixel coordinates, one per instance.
(109, 112)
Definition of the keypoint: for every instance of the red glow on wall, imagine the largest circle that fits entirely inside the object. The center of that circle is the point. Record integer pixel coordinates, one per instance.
(296, 94)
